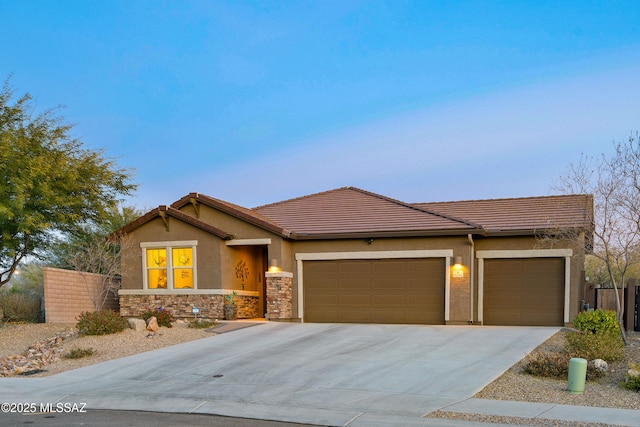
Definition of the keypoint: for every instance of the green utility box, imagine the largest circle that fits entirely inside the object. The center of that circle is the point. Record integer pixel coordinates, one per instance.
(577, 375)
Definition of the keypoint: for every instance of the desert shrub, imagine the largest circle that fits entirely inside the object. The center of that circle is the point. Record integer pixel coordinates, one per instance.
(554, 365)
(632, 383)
(164, 317)
(20, 307)
(606, 345)
(79, 353)
(101, 322)
(202, 323)
(632, 380)
(597, 321)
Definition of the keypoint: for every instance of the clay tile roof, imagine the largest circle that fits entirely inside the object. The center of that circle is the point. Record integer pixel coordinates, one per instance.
(350, 212)
(522, 214)
(240, 212)
(172, 212)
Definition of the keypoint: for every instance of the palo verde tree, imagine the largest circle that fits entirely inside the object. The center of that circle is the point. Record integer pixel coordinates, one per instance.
(50, 184)
(614, 181)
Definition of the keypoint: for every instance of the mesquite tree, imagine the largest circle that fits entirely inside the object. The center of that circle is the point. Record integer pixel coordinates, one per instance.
(50, 184)
(614, 181)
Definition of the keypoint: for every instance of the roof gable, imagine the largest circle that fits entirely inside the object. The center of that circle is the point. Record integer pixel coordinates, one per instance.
(237, 211)
(164, 211)
(350, 211)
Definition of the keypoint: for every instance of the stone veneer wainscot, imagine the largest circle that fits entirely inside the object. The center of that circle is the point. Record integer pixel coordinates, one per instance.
(279, 295)
(181, 305)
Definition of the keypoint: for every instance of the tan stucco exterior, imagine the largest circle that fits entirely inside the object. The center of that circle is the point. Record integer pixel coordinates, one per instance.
(252, 247)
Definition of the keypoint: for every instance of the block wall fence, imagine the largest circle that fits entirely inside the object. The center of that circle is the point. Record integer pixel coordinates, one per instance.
(68, 293)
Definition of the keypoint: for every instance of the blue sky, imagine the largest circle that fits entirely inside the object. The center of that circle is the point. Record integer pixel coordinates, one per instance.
(255, 102)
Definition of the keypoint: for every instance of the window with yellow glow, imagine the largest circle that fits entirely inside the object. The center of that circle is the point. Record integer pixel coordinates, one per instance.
(169, 267)
(182, 267)
(157, 268)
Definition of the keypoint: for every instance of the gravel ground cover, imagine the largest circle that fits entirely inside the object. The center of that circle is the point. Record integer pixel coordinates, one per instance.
(15, 339)
(516, 385)
(605, 392)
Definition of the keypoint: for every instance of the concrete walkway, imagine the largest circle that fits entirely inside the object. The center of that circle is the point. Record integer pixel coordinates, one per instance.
(325, 374)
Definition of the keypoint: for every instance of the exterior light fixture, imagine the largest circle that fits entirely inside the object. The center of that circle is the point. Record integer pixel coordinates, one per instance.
(273, 266)
(457, 270)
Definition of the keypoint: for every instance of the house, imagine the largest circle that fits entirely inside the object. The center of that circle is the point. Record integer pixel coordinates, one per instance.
(349, 255)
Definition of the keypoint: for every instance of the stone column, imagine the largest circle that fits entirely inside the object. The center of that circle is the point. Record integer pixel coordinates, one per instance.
(279, 295)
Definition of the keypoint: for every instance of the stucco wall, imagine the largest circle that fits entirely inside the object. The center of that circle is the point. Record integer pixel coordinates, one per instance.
(209, 271)
(68, 293)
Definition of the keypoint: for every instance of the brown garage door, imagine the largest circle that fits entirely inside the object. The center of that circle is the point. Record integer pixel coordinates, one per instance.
(524, 292)
(375, 291)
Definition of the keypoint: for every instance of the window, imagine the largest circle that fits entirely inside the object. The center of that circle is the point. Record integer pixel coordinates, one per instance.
(169, 265)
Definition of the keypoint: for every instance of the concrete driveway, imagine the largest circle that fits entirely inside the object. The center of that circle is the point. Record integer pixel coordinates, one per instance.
(325, 374)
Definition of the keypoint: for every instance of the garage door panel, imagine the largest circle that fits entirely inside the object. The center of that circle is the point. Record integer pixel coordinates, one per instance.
(524, 292)
(349, 267)
(328, 284)
(324, 267)
(379, 291)
(355, 284)
(393, 284)
(355, 300)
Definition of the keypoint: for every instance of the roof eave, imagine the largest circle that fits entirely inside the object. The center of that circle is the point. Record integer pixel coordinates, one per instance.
(383, 234)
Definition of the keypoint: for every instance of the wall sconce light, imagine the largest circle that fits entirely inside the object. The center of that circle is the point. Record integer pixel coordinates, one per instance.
(369, 241)
(273, 266)
(458, 270)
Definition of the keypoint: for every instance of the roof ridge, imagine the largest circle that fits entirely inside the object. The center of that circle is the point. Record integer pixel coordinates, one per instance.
(506, 198)
(410, 206)
(306, 196)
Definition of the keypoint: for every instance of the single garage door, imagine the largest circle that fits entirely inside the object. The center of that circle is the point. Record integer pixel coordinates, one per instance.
(375, 291)
(524, 292)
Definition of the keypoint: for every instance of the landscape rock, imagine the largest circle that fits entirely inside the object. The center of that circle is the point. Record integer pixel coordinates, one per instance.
(152, 324)
(137, 324)
(38, 355)
(633, 373)
(600, 365)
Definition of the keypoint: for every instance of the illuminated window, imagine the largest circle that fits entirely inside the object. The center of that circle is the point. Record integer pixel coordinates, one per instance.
(169, 265)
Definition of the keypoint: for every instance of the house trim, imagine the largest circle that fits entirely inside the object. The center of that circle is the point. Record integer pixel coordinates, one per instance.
(247, 242)
(187, 292)
(330, 256)
(526, 253)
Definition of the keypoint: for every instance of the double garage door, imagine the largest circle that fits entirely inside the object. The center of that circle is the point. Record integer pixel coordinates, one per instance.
(375, 291)
(517, 292)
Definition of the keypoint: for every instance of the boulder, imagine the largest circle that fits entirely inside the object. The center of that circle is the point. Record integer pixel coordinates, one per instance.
(152, 324)
(600, 365)
(137, 324)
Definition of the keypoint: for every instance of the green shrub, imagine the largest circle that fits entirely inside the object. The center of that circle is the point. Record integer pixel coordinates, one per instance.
(79, 353)
(554, 365)
(632, 382)
(164, 317)
(606, 345)
(597, 321)
(202, 323)
(20, 307)
(101, 322)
